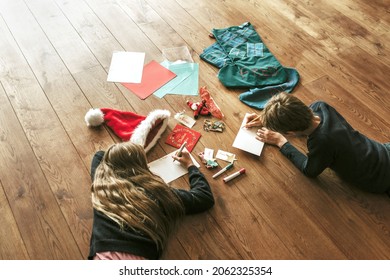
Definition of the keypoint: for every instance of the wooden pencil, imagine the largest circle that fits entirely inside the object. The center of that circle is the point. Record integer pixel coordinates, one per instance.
(255, 119)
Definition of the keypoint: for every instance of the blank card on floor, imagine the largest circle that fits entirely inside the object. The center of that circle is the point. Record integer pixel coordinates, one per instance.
(168, 169)
(246, 140)
(126, 67)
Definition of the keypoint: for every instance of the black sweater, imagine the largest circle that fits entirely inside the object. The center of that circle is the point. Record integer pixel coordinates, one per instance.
(107, 235)
(335, 144)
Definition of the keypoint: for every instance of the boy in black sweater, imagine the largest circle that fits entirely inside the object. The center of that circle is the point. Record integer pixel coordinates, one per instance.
(331, 142)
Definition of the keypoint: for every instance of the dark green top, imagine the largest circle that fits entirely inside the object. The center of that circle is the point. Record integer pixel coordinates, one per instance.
(335, 144)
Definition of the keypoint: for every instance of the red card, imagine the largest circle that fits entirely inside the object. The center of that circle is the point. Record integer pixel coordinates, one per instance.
(154, 76)
(180, 134)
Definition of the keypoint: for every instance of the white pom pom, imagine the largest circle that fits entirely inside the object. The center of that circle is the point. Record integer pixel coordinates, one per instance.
(94, 117)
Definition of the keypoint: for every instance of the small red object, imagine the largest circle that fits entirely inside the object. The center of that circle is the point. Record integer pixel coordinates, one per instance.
(210, 103)
(199, 108)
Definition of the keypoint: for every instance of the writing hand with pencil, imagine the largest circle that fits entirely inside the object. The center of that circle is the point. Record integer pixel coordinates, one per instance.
(183, 156)
(184, 159)
(252, 120)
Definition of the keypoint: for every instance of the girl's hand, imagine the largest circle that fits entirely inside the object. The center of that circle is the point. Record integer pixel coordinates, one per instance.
(184, 159)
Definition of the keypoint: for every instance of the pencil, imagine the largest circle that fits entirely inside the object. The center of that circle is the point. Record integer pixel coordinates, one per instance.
(180, 149)
(255, 119)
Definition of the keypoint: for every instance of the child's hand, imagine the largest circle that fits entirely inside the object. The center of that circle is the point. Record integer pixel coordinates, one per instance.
(271, 137)
(252, 120)
(184, 159)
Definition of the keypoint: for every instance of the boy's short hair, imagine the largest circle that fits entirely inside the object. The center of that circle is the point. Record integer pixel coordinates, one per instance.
(284, 112)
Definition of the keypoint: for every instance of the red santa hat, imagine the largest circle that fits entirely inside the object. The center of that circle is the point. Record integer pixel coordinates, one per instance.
(143, 130)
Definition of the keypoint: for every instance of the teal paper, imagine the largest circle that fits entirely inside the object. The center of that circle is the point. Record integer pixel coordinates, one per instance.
(186, 81)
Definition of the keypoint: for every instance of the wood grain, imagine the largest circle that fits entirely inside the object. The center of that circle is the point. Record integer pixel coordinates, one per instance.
(54, 60)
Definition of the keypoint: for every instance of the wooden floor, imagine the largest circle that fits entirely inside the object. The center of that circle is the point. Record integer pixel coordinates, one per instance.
(54, 58)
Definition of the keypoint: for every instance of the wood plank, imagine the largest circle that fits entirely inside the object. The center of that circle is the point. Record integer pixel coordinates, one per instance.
(328, 201)
(14, 248)
(373, 16)
(43, 229)
(376, 46)
(367, 69)
(126, 32)
(87, 26)
(174, 251)
(60, 87)
(188, 27)
(204, 230)
(266, 192)
(150, 22)
(366, 91)
(65, 173)
(357, 112)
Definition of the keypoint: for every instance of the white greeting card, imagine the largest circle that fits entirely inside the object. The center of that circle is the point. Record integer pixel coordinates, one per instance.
(246, 140)
(168, 169)
(126, 67)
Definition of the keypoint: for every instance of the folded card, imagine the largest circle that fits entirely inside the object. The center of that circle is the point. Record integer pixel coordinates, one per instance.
(181, 134)
(246, 140)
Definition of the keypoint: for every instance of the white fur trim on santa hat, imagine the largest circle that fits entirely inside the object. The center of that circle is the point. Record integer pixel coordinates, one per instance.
(140, 134)
(94, 117)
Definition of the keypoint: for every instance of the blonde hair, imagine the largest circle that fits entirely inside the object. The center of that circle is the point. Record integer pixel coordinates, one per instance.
(285, 112)
(126, 191)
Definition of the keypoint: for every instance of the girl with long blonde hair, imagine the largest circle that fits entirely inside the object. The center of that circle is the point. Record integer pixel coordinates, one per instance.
(135, 211)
